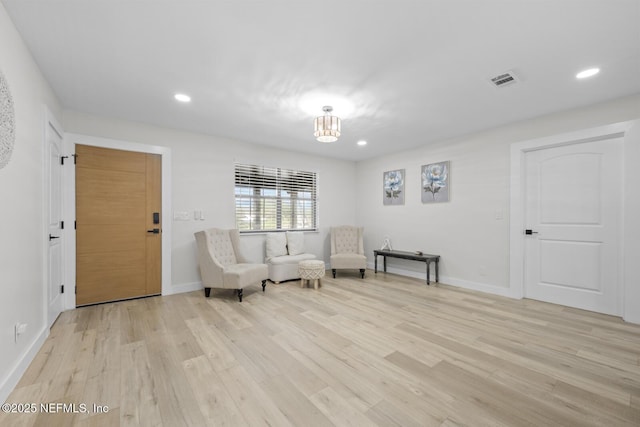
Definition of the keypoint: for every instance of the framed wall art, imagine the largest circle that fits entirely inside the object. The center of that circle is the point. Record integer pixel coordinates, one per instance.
(435, 182)
(393, 187)
(7, 123)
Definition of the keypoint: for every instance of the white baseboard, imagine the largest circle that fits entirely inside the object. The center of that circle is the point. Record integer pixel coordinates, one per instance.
(632, 319)
(480, 287)
(182, 288)
(12, 379)
(460, 283)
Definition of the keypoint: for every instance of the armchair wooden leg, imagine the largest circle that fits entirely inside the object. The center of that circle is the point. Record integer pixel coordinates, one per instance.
(207, 292)
(240, 294)
(333, 271)
(264, 285)
(362, 272)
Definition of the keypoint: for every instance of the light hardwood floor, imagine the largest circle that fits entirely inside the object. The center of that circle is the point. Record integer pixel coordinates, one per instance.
(386, 351)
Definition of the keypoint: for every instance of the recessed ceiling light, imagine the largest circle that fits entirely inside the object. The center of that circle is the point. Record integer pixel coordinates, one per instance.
(362, 143)
(182, 97)
(587, 73)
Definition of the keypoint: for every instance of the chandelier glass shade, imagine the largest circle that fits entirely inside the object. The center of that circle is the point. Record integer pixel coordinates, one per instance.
(327, 127)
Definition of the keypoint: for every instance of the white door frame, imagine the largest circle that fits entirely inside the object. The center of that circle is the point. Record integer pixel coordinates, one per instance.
(517, 206)
(71, 139)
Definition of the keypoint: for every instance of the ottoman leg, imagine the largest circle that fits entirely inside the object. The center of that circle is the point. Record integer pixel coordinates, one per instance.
(315, 284)
(302, 283)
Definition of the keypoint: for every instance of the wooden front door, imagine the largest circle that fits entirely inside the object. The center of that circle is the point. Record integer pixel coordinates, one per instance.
(118, 254)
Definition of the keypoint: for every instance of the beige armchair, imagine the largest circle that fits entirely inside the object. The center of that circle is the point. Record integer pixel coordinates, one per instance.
(347, 249)
(222, 265)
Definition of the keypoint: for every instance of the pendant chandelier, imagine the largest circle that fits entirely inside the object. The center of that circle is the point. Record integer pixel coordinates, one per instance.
(327, 127)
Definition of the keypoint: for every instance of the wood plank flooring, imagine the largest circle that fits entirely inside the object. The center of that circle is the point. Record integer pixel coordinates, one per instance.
(383, 351)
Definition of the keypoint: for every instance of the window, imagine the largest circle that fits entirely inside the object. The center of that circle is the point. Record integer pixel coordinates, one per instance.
(270, 199)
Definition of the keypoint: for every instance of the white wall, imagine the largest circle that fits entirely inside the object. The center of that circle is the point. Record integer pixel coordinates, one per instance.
(473, 243)
(22, 265)
(631, 275)
(203, 179)
(465, 231)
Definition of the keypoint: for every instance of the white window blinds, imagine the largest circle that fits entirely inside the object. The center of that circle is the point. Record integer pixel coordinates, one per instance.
(270, 199)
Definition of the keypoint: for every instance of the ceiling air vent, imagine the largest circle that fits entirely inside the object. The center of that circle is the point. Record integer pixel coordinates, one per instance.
(504, 79)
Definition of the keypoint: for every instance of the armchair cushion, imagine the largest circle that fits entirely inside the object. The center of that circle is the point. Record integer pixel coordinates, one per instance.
(291, 259)
(295, 242)
(238, 275)
(344, 261)
(221, 247)
(276, 245)
(346, 240)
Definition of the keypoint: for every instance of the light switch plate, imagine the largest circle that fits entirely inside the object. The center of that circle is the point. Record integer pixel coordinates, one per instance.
(181, 216)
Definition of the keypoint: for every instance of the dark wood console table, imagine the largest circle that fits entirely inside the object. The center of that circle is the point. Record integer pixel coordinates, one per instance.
(426, 258)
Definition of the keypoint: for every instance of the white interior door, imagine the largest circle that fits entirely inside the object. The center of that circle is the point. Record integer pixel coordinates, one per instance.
(55, 235)
(573, 209)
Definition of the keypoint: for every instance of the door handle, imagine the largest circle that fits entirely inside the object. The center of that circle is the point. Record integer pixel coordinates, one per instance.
(154, 231)
(53, 237)
(527, 231)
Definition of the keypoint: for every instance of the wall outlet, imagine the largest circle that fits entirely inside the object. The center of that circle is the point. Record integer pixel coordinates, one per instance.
(20, 329)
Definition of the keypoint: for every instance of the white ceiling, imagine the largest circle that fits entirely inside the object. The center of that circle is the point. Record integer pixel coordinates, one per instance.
(416, 72)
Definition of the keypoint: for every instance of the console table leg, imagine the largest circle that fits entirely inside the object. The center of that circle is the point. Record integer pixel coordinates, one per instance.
(384, 261)
(375, 264)
(437, 277)
(428, 282)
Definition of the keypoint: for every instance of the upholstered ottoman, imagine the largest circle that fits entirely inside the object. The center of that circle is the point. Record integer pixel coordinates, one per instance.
(312, 269)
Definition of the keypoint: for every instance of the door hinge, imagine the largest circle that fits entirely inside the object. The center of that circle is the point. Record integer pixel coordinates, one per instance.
(62, 289)
(75, 225)
(62, 159)
(61, 225)
(75, 158)
(75, 290)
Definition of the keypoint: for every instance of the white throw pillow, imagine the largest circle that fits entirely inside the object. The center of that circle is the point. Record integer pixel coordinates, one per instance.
(276, 245)
(295, 242)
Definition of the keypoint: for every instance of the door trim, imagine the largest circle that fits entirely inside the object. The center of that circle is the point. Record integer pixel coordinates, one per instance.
(50, 122)
(517, 202)
(71, 139)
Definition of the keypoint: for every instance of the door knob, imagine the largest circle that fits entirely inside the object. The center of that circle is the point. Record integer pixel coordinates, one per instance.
(53, 237)
(154, 231)
(527, 231)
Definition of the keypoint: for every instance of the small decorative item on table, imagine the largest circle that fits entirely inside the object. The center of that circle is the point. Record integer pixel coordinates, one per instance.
(386, 245)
